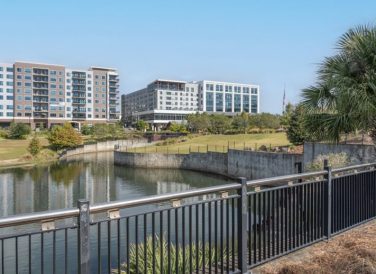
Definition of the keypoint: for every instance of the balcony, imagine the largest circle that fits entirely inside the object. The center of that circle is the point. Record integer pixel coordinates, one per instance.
(40, 85)
(40, 71)
(39, 101)
(40, 79)
(78, 102)
(79, 110)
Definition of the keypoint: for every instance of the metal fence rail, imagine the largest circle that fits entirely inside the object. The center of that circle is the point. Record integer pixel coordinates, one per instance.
(229, 228)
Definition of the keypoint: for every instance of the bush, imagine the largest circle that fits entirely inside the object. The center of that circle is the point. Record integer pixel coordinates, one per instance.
(3, 133)
(336, 160)
(137, 259)
(64, 136)
(34, 146)
(86, 130)
(19, 131)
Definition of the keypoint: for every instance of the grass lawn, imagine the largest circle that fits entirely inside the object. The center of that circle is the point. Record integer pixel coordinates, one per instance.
(220, 143)
(16, 149)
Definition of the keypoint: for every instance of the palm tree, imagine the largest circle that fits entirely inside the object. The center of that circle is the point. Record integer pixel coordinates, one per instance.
(344, 98)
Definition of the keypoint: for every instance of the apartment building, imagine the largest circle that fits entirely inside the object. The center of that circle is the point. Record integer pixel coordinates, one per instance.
(164, 101)
(45, 94)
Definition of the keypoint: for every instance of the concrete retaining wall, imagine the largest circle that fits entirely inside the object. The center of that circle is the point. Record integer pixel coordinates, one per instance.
(236, 163)
(104, 146)
(357, 153)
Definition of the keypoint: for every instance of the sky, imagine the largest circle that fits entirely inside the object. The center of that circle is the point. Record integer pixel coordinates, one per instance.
(269, 43)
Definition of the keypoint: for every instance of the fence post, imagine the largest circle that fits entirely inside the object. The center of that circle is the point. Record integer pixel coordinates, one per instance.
(328, 177)
(83, 237)
(242, 226)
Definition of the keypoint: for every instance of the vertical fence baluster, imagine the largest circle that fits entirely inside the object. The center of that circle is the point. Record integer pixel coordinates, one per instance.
(328, 178)
(242, 226)
(83, 236)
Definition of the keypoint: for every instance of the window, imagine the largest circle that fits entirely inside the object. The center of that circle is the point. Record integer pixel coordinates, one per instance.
(52, 79)
(89, 115)
(9, 106)
(253, 103)
(19, 69)
(9, 83)
(68, 108)
(19, 98)
(19, 107)
(9, 97)
(27, 77)
(209, 101)
(228, 102)
(89, 95)
(1, 106)
(237, 103)
(27, 84)
(219, 102)
(89, 88)
(9, 69)
(254, 91)
(28, 70)
(103, 77)
(9, 114)
(19, 77)
(27, 107)
(9, 76)
(52, 86)
(218, 88)
(53, 72)
(1, 76)
(28, 91)
(27, 98)
(68, 115)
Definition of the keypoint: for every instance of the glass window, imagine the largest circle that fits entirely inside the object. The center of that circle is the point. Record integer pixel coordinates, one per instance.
(9, 76)
(9, 97)
(237, 103)
(246, 103)
(253, 103)
(228, 102)
(9, 69)
(219, 102)
(9, 107)
(27, 70)
(209, 101)
(254, 91)
(19, 69)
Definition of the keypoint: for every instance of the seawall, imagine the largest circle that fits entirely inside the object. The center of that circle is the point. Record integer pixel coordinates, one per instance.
(104, 146)
(235, 163)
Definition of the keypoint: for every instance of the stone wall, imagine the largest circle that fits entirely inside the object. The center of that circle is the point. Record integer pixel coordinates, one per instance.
(357, 153)
(235, 163)
(104, 146)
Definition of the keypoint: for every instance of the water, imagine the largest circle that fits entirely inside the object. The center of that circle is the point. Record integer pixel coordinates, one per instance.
(60, 185)
(92, 176)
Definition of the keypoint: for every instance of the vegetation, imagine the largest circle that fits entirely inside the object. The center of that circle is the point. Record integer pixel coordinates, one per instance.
(34, 146)
(175, 127)
(19, 131)
(335, 160)
(294, 122)
(141, 125)
(140, 267)
(218, 142)
(86, 130)
(343, 100)
(222, 124)
(64, 136)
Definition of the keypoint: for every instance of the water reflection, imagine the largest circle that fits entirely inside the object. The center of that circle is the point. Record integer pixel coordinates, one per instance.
(91, 176)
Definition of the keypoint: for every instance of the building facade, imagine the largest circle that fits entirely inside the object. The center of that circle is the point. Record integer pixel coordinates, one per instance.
(164, 101)
(43, 95)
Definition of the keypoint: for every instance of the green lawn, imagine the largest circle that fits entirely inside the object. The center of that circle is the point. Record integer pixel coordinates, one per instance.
(220, 143)
(14, 149)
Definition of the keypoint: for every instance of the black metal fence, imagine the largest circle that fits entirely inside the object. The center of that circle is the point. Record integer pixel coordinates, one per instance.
(229, 228)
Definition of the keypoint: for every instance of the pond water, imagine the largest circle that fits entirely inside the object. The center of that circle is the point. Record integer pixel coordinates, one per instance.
(91, 176)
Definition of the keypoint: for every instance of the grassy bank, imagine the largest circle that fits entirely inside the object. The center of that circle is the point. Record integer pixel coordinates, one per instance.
(15, 153)
(217, 143)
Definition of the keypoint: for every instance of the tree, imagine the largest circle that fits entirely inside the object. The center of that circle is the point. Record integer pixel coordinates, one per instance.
(286, 115)
(343, 100)
(141, 125)
(198, 122)
(241, 122)
(296, 131)
(175, 127)
(19, 131)
(219, 123)
(265, 120)
(64, 136)
(34, 146)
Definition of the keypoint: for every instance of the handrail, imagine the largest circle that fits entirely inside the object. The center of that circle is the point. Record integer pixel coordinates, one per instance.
(284, 178)
(162, 198)
(28, 218)
(346, 168)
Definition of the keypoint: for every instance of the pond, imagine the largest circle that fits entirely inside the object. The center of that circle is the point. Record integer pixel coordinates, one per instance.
(91, 176)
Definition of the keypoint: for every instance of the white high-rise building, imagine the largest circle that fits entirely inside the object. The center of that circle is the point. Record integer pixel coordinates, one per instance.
(164, 101)
(6, 92)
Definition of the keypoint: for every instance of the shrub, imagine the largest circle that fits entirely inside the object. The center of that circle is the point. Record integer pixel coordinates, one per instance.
(335, 160)
(3, 133)
(19, 131)
(141, 125)
(64, 136)
(139, 267)
(34, 146)
(86, 130)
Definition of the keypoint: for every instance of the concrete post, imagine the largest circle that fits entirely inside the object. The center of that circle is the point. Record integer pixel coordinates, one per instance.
(83, 237)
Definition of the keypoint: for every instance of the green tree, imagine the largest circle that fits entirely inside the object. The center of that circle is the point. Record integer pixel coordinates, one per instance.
(141, 125)
(34, 146)
(198, 122)
(286, 115)
(219, 123)
(343, 100)
(175, 127)
(19, 131)
(296, 131)
(265, 120)
(64, 136)
(241, 122)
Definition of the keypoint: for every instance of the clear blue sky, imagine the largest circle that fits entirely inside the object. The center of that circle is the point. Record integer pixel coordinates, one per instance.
(264, 42)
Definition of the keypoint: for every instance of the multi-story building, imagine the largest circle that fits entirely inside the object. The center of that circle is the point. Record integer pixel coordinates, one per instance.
(164, 101)
(44, 94)
(6, 92)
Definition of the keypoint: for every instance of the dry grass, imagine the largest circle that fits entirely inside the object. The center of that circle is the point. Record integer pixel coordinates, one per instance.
(351, 252)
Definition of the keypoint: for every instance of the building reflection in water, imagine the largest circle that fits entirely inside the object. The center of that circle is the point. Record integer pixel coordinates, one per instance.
(93, 177)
